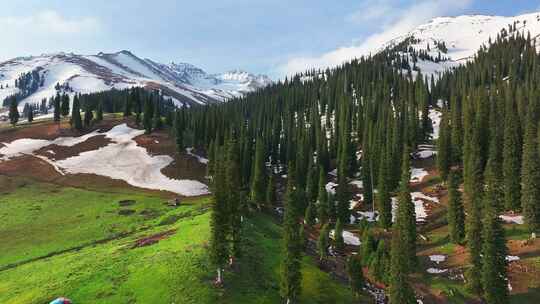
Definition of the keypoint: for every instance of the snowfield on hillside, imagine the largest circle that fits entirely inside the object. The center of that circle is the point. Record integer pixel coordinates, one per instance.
(122, 159)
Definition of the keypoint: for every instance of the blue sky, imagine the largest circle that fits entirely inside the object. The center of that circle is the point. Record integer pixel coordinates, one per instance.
(274, 37)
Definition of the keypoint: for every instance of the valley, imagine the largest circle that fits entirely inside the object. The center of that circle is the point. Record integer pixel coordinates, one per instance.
(407, 174)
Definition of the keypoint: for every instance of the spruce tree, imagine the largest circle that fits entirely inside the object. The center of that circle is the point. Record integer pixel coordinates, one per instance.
(219, 221)
(234, 198)
(13, 111)
(56, 104)
(76, 114)
(339, 243)
(258, 184)
(356, 275)
(322, 199)
(290, 271)
(178, 127)
(88, 116)
(323, 242)
(343, 199)
(405, 215)
(271, 198)
(147, 116)
(400, 290)
(380, 262)
(456, 214)
(99, 110)
(530, 174)
(31, 114)
(443, 147)
(494, 251)
(309, 217)
(511, 157)
(456, 136)
(384, 200)
(64, 108)
(157, 123)
(127, 107)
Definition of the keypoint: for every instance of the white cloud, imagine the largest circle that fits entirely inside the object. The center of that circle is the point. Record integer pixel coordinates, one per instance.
(50, 22)
(378, 13)
(399, 21)
(46, 31)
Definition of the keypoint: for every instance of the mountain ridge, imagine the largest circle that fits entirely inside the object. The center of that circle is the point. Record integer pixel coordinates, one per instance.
(185, 83)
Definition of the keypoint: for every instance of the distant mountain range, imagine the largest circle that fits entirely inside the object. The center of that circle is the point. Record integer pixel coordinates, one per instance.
(183, 82)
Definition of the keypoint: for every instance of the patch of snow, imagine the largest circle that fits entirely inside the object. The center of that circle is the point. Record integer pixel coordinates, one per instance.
(348, 237)
(436, 270)
(369, 216)
(418, 174)
(516, 219)
(122, 159)
(437, 258)
(358, 183)
(201, 159)
(512, 258)
(419, 209)
(435, 117)
(419, 196)
(331, 187)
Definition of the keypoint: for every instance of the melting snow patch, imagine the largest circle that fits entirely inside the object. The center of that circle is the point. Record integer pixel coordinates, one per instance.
(437, 258)
(348, 237)
(357, 183)
(369, 216)
(417, 174)
(201, 159)
(436, 270)
(331, 187)
(512, 258)
(516, 219)
(121, 159)
(435, 117)
(420, 195)
(419, 208)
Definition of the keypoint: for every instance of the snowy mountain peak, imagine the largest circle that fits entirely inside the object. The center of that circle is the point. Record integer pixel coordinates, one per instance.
(183, 82)
(458, 39)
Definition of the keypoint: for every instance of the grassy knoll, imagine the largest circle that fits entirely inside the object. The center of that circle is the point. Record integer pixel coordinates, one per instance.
(62, 241)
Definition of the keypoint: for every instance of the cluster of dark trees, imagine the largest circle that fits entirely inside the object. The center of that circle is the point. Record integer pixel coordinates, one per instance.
(27, 83)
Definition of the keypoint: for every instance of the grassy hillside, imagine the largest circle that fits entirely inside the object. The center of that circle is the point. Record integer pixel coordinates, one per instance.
(86, 245)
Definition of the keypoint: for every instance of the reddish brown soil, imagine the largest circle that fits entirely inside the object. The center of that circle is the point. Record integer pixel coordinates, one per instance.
(183, 167)
(153, 239)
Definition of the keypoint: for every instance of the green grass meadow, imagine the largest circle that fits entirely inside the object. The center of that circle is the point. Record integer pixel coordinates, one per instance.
(62, 241)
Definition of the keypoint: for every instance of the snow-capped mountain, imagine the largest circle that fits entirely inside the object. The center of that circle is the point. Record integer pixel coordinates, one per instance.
(183, 82)
(458, 39)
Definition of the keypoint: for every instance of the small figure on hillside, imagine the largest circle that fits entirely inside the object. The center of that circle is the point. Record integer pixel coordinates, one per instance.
(61, 300)
(174, 202)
